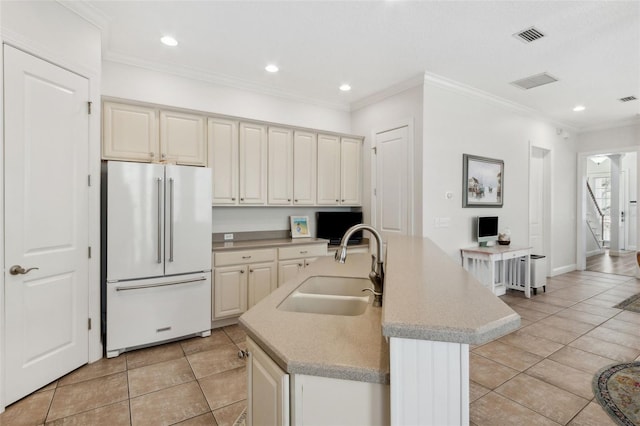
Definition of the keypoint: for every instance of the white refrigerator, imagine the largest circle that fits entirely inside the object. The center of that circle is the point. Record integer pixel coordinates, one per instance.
(158, 254)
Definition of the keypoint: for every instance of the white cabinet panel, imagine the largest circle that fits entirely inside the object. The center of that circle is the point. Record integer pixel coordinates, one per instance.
(129, 132)
(289, 269)
(268, 390)
(350, 171)
(223, 160)
(262, 281)
(304, 168)
(328, 192)
(280, 168)
(229, 291)
(182, 138)
(253, 164)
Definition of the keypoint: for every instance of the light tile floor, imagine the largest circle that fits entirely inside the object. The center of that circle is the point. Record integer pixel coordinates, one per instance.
(538, 375)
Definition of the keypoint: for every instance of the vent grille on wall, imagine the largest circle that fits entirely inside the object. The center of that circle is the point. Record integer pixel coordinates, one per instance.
(529, 35)
(535, 81)
(628, 99)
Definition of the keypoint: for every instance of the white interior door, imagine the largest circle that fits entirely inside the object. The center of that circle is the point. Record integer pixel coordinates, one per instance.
(537, 201)
(46, 222)
(392, 209)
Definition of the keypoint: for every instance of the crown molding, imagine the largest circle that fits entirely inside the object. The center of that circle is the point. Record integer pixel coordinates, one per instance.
(415, 81)
(452, 85)
(217, 79)
(87, 12)
(627, 122)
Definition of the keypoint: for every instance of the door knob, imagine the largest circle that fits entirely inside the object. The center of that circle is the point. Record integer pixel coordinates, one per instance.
(17, 269)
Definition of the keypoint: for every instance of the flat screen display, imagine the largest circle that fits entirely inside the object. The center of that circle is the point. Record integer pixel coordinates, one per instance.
(487, 227)
(332, 226)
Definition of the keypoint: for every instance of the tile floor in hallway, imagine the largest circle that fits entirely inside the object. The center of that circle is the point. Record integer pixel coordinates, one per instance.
(538, 375)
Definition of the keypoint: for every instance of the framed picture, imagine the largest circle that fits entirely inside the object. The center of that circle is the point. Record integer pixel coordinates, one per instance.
(299, 226)
(482, 181)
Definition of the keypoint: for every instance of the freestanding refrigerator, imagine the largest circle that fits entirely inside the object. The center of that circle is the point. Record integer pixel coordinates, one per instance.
(158, 254)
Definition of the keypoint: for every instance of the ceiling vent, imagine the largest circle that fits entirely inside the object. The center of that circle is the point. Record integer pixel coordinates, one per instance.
(534, 81)
(628, 99)
(529, 35)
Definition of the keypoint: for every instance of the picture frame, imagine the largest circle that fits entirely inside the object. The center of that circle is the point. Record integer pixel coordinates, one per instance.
(300, 227)
(482, 181)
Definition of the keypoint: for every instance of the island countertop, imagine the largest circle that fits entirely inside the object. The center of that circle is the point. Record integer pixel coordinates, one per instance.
(427, 296)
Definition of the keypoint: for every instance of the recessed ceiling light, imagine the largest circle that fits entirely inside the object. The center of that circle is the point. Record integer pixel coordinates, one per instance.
(169, 41)
(271, 68)
(345, 87)
(579, 108)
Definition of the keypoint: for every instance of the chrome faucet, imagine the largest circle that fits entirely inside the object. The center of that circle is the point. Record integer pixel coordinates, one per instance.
(377, 260)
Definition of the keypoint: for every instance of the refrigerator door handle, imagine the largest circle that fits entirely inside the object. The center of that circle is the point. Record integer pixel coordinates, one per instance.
(170, 219)
(142, 286)
(159, 181)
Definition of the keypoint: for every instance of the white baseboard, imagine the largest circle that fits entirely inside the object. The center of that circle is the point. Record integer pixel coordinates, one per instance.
(595, 252)
(563, 270)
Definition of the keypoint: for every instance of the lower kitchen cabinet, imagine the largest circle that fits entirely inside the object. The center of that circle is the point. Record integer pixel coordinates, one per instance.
(278, 398)
(268, 389)
(291, 260)
(241, 279)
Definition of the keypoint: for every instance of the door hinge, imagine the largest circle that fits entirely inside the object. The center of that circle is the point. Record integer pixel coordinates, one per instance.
(89, 252)
(89, 107)
(89, 323)
(375, 192)
(375, 150)
(88, 180)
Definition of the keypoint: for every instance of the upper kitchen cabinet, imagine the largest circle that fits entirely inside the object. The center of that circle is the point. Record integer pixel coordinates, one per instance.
(328, 170)
(350, 172)
(223, 160)
(142, 133)
(130, 132)
(304, 168)
(182, 138)
(280, 166)
(253, 164)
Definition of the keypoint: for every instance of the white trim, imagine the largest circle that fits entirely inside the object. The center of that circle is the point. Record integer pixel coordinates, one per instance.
(563, 270)
(2, 265)
(390, 91)
(548, 202)
(627, 122)
(454, 86)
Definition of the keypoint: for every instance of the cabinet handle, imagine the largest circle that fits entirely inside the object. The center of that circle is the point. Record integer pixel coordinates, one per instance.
(246, 257)
(343, 201)
(233, 198)
(295, 200)
(164, 156)
(300, 265)
(243, 354)
(151, 154)
(289, 200)
(251, 270)
(241, 199)
(337, 201)
(303, 251)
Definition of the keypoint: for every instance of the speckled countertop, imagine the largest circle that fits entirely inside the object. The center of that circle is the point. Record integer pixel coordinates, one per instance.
(427, 296)
(255, 244)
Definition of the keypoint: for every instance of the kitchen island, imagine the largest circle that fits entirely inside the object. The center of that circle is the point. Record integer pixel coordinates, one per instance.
(433, 309)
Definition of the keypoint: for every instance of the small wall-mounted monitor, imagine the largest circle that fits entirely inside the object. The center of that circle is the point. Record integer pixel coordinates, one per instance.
(487, 229)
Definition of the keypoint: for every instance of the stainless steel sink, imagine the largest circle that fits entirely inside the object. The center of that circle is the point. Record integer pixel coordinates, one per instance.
(329, 296)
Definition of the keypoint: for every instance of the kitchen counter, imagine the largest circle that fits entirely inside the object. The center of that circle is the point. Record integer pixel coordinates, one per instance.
(427, 297)
(258, 244)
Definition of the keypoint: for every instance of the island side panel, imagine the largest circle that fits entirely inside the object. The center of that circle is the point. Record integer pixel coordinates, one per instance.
(429, 382)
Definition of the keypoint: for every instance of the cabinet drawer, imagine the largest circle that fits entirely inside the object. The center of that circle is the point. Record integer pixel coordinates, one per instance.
(244, 256)
(514, 254)
(298, 251)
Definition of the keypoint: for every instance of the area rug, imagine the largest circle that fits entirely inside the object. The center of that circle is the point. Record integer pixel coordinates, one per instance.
(241, 420)
(630, 304)
(617, 389)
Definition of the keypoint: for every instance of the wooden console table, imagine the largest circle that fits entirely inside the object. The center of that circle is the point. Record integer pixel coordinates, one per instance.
(499, 267)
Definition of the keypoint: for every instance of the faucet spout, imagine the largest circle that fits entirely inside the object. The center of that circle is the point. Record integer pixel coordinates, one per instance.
(376, 275)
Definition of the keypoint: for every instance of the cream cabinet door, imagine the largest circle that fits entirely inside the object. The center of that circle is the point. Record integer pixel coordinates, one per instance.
(129, 132)
(222, 144)
(267, 389)
(262, 281)
(328, 170)
(253, 164)
(304, 168)
(288, 269)
(350, 171)
(280, 167)
(229, 291)
(182, 138)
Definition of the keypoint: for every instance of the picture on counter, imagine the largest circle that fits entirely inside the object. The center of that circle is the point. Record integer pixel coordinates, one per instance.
(300, 226)
(482, 181)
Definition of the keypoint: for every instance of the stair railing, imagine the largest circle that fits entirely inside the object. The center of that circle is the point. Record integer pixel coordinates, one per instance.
(599, 211)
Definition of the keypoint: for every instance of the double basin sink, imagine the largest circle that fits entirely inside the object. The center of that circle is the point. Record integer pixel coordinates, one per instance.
(329, 296)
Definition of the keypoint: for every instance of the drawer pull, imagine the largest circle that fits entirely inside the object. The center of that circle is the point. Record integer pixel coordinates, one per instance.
(143, 286)
(163, 329)
(246, 257)
(303, 251)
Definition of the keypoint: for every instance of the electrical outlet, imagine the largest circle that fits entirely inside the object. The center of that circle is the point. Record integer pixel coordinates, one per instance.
(228, 237)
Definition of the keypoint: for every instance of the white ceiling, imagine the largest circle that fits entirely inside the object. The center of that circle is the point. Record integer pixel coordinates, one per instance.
(592, 47)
